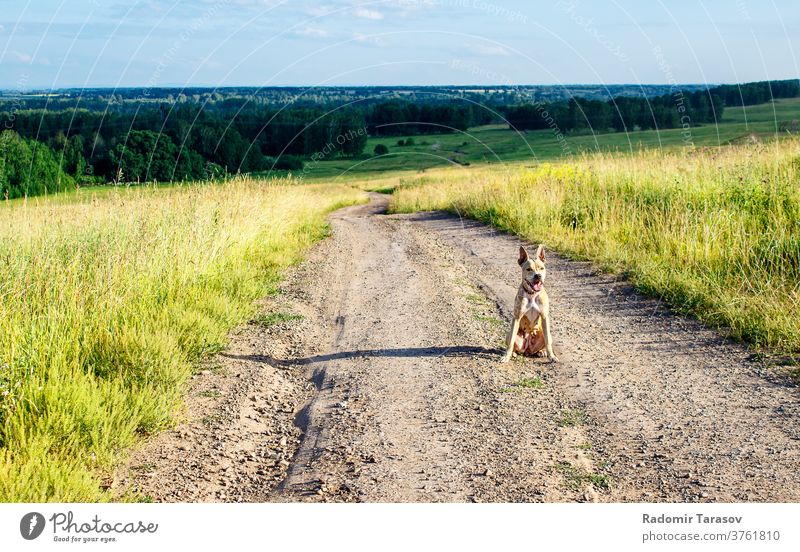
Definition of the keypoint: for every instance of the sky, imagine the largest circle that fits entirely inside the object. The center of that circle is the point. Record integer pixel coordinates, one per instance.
(109, 43)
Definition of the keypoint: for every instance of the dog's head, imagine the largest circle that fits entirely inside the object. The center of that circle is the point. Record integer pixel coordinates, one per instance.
(533, 269)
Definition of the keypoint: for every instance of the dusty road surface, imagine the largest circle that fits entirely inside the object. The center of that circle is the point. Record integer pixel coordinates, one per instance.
(381, 381)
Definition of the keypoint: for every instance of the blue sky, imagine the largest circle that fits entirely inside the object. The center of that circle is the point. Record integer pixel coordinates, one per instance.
(76, 43)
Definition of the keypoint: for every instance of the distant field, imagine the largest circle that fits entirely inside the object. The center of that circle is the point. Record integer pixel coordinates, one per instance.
(497, 144)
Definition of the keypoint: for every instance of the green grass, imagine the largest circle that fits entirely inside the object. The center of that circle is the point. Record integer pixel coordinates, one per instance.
(477, 299)
(267, 320)
(110, 301)
(600, 481)
(572, 418)
(216, 368)
(210, 393)
(524, 383)
(492, 321)
(211, 419)
(530, 383)
(576, 479)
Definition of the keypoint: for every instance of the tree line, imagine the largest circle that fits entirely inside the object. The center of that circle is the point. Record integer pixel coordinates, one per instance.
(677, 109)
(45, 150)
(187, 142)
(620, 114)
(757, 92)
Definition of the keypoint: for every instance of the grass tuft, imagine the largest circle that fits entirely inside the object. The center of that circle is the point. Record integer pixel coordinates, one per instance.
(530, 383)
(576, 479)
(267, 320)
(572, 418)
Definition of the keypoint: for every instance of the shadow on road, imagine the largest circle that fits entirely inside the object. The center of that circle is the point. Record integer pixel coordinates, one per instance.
(405, 352)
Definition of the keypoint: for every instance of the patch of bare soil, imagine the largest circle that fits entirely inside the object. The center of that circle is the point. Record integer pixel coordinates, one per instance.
(389, 388)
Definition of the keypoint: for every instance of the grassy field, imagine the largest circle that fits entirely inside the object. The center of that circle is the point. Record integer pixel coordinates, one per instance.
(492, 145)
(715, 232)
(109, 300)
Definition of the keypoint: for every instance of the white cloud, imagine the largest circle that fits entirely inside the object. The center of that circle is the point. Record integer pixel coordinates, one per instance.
(22, 56)
(373, 40)
(319, 11)
(364, 13)
(488, 49)
(313, 32)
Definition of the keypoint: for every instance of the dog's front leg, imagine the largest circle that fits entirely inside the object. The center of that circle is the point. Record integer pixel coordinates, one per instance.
(548, 340)
(512, 335)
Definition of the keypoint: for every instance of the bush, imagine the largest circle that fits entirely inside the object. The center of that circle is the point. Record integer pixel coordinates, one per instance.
(381, 149)
(288, 163)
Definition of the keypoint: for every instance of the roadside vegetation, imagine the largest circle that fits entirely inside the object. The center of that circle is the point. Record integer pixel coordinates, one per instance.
(715, 232)
(109, 301)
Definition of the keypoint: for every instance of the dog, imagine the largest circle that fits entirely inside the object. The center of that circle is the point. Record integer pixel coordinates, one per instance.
(530, 329)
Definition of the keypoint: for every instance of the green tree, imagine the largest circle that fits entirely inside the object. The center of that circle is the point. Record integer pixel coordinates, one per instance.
(147, 155)
(74, 162)
(28, 167)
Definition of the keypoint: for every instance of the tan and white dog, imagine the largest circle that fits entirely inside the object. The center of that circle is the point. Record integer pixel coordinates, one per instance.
(530, 330)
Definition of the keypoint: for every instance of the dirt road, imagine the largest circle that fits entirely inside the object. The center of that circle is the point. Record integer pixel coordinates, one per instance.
(389, 388)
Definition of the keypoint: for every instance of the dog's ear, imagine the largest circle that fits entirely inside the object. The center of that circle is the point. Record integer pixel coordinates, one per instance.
(540, 253)
(523, 256)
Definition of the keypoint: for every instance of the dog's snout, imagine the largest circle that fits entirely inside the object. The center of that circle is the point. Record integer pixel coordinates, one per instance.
(537, 277)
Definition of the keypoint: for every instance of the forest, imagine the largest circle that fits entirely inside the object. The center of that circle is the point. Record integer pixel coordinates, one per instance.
(47, 147)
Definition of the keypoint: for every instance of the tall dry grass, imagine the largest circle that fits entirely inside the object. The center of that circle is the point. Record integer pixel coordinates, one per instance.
(108, 302)
(714, 232)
